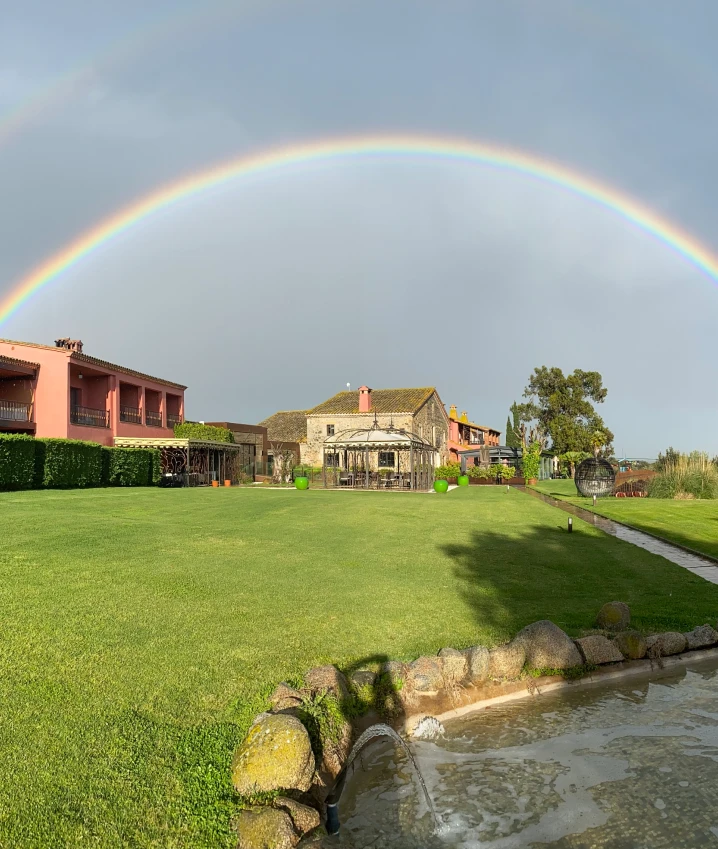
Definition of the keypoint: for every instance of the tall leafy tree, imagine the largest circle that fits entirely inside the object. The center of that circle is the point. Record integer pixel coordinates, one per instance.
(561, 407)
(513, 425)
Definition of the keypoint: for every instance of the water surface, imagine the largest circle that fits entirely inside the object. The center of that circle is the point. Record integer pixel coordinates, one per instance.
(628, 765)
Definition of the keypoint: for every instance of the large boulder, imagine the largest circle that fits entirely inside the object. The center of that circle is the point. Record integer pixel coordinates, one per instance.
(666, 644)
(285, 697)
(426, 675)
(276, 755)
(631, 644)
(395, 673)
(507, 661)
(597, 649)
(363, 678)
(303, 817)
(265, 828)
(477, 660)
(701, 637)
(327, 679)
(614, 616)
(548, 647)
(454, 666)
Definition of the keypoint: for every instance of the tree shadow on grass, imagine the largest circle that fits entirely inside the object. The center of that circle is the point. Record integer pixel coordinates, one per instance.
(545, 572)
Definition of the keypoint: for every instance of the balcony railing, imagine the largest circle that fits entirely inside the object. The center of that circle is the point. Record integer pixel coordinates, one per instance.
(173, 420)
(89, 417)
(131, 414)
(153, 418)
(15, 411)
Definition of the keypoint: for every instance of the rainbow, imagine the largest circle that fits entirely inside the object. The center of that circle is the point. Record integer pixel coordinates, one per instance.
(357, 148)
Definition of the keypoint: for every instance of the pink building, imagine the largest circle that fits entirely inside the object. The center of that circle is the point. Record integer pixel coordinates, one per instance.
(61, 392)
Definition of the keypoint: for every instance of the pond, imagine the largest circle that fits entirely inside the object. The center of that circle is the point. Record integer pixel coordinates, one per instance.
(625, 765)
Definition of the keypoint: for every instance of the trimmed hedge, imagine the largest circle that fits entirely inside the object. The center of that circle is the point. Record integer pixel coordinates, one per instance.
(71, 463)
(28, 463)
(17, 461)
(132, 466)
(210, 433)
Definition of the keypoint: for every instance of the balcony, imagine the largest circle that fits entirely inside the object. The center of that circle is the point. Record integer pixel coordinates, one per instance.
(88, 417)
(131, 414)
(153, 418)
(15, 411)
(173, 420)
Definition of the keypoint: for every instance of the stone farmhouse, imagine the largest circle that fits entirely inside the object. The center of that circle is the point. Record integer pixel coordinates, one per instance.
(420, 411)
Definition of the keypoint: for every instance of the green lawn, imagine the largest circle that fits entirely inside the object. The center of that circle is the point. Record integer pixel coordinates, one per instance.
(690, 523)
(142, 629)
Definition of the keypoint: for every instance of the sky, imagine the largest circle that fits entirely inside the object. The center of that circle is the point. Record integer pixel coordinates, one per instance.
(275, 292)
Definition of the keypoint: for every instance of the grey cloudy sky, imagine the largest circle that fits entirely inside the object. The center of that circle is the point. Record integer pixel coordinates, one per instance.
(274, 293)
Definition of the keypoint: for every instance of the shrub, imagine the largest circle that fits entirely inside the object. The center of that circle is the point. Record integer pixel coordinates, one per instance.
(71, 463)
(531, 462)
(480, 472)
(131, 466)
(690, 475)
(450, 470)
(210, 433)
(17, 461)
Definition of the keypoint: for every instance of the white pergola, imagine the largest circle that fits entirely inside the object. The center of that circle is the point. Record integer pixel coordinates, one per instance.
(351, 458)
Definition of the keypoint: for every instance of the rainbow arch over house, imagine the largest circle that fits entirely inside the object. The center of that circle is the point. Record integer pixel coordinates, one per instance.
(377, 147)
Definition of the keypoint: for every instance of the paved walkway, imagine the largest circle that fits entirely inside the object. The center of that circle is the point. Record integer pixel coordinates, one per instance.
(705, 567)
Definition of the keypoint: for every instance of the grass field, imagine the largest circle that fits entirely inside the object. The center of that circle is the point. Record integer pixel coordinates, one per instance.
(142, 629)
(690, 523)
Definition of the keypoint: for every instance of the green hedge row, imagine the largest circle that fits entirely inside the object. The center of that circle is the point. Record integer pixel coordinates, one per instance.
(28, 463)
(210, 433)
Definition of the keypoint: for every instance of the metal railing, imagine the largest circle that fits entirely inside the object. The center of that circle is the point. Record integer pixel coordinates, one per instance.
(173, 420)
(15, 411)
(89, 417)
(131, 414)
(153, 418)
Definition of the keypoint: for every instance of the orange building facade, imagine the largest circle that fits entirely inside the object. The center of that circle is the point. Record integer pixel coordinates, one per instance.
(59, 391)
(464, 434)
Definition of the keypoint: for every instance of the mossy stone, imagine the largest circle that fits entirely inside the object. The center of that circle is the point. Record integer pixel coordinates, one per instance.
(276, 755)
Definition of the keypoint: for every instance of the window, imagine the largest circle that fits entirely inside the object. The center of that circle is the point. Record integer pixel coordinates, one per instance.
(330, 430)
(433, 436)
(387, 460)
(421, 431)
(331, 459)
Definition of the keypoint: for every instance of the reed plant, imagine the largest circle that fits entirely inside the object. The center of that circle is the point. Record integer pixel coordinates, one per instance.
(691, 475)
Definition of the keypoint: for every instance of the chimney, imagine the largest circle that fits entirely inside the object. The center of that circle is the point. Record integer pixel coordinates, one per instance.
(452, 411)
(464, 417)
(364, 399)
(74, 345)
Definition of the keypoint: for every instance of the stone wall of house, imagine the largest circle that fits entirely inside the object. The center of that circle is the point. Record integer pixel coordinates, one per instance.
(432, 424)
(317, 429)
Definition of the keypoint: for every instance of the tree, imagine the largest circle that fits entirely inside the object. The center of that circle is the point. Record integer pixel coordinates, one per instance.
(284, 460)
(670, 458)
(560, 407)
(513, 423)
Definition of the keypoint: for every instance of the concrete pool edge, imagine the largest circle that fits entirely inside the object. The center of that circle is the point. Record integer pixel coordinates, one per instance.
(549, 684)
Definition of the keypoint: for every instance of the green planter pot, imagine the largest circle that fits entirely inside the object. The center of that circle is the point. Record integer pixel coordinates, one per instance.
(463, 480)
(441, 486)
(301, 483)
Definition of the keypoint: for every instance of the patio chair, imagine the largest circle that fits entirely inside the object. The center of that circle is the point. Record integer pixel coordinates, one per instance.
(345, 478)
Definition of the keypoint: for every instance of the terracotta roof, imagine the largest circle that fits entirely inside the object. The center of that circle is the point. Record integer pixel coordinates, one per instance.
(287, 426)
(382, 401)
(86, 358)
(14, 361)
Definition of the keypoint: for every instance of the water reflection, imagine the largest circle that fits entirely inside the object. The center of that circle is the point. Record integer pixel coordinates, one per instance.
(632, 765)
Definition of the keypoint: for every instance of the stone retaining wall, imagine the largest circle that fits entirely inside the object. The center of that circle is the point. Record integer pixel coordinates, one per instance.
(287, 765)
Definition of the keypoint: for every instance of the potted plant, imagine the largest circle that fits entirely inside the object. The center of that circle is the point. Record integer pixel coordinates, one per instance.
(228, 483)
